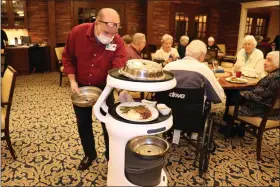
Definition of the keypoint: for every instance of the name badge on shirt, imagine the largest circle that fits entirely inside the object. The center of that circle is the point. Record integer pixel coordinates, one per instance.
(111, 47)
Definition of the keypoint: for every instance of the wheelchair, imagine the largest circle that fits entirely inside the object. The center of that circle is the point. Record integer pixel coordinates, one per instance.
(191, 113)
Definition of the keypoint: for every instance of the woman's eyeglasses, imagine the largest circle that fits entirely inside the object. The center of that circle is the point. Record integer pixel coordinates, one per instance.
(111, 24)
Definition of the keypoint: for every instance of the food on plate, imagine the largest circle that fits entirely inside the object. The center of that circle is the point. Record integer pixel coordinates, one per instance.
(233, 79)
(236, 80)
(136, 112)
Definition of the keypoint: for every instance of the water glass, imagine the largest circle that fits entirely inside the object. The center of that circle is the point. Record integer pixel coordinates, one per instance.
(215, 64)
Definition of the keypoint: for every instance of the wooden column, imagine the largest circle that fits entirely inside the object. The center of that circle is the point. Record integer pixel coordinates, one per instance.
(149, 21)
(52, 33)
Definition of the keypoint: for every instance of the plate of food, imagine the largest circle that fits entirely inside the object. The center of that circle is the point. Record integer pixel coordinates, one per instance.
(136, 111)
(236, 80)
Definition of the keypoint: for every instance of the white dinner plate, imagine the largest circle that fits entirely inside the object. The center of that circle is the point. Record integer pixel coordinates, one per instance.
(153, 110)
(250, 76)
(237, 81)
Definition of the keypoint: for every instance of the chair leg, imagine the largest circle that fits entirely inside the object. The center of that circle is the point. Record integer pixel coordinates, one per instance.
(60, 79)
(10, 145)
(259, 144)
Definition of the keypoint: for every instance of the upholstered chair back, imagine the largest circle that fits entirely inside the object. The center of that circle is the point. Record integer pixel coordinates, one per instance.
(59, 51)
(7, 83)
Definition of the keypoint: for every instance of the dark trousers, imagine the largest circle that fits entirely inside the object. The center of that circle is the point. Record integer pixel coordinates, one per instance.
(84, 121)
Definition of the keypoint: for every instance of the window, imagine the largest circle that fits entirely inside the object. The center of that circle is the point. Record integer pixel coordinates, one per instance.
(248, 27)
(260, 27)
(256, 24)
(200, 26)
(181, 25)
(188, 19)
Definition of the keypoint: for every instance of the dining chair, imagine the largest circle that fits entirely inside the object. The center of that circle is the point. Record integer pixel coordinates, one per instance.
(257, 125)
(4, 61)
(8, 86)
(222, 47)
(226, 61)
(58, 52)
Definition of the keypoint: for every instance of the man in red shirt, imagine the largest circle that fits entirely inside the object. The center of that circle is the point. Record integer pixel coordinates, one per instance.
(137, 45)
(90, 51)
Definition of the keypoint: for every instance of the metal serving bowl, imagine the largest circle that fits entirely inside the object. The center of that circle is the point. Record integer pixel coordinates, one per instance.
(87, 97)
(148, 147)
(138, 69)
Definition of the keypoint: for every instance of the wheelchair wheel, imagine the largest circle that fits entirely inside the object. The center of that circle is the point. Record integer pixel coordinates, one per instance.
(207, 146)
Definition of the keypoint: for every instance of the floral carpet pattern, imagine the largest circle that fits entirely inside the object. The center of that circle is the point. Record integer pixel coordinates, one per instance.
(48, 149)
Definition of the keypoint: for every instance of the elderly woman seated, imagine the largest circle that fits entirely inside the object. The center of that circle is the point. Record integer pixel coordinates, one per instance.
(166, 52)
(265, 90)
(250, 59)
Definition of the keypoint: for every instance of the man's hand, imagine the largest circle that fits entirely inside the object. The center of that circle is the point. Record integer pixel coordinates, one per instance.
(74, 86)
(124, 96)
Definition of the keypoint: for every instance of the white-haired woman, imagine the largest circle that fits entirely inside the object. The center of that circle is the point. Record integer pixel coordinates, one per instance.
(265, 90)
(249, 58)
(166, 52)
(184, 40)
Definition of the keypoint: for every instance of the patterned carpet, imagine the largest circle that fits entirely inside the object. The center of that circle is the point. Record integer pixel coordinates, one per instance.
(45, 138)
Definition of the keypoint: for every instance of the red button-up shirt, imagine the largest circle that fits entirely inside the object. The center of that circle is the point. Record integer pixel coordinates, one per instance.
(88, 59)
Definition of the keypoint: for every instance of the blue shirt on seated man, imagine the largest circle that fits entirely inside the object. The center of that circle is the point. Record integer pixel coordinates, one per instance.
(191, 73)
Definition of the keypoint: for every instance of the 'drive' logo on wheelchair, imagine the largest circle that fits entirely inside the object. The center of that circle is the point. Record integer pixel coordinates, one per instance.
(177, 95)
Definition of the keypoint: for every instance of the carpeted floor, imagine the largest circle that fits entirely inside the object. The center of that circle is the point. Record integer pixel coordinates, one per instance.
(47, 145)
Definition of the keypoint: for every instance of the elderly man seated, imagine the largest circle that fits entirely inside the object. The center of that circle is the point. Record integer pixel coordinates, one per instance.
(184, 40)
(249, 58)
(166, 52)
(265, 90)
(137, 45)
(212, 45)
(191, 73)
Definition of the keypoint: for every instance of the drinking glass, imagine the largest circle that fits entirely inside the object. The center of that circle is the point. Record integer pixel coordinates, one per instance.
(215, 65)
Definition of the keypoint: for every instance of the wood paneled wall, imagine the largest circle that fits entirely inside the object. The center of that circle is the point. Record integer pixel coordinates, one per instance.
(213, 20)
(37, 12)
(136, 17)
(63, 20)
(151, 17)
(229, 25)
(158, 20)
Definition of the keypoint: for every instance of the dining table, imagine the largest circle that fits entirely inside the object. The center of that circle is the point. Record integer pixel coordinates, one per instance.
(232, 90)
(226, 85)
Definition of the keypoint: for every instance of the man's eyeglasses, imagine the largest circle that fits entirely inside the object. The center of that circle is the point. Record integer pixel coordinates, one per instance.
(111, 24)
